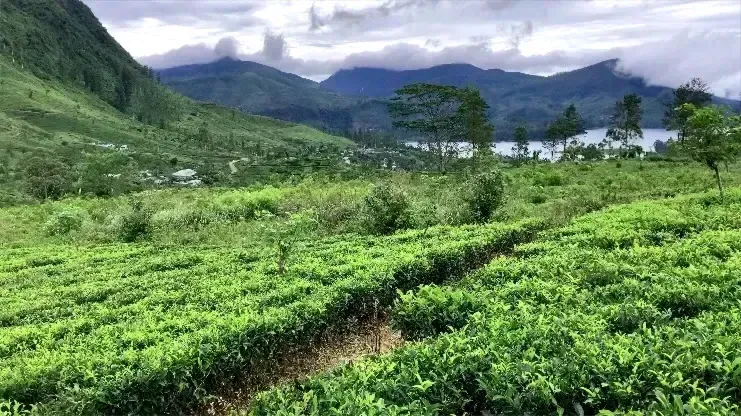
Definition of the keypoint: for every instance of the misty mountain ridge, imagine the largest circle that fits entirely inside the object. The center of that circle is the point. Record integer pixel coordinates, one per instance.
(355, 98)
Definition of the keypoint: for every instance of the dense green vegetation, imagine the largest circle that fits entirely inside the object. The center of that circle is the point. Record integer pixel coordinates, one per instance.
(325, 206)
(146, 328)
(220, 281)
(75, 103)
(628, 311)
(603, 283)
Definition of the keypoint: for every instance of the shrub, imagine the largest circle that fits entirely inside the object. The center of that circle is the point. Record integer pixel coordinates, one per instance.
(538, 199)
(433, 310)
(486, 194)
(136, 225)
(386, 210)
(550, 179)
(63, 223)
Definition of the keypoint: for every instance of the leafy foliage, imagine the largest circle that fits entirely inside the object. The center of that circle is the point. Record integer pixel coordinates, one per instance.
(625, 311)
(695, 92)
(625, 123)
(47, 178)
(135, 225)
(133, 328)
(474, 122)
(386, 210)
(486, 194)
(711, 137)
(520, 150)
(433, 112)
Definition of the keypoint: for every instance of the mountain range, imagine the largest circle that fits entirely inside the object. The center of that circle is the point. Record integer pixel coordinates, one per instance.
(356, 98)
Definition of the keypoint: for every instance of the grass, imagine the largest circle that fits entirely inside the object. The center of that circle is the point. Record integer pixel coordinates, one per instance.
(51, 119)
(204, 279)
(325, 206)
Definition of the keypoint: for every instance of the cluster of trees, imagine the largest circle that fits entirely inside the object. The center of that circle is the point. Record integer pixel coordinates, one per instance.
(444, 116)
(52, 178)
(706, 133)
(141, 96)
(564, 131)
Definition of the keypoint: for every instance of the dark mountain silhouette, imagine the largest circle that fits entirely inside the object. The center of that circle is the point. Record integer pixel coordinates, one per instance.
(355, 98)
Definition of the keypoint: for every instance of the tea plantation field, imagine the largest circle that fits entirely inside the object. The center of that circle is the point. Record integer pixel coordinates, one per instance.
(138, 328)
(629, 311)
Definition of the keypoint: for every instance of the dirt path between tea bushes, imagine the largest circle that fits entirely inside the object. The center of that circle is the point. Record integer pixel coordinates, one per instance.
(332, 351)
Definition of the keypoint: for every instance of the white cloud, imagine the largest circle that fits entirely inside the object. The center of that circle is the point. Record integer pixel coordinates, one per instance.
(714, 57)
(666, 41)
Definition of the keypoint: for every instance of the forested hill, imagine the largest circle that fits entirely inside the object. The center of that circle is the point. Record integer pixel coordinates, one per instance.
(517, 97)
(260, 89)
(355, 98)
(78, 114)
(63, 40)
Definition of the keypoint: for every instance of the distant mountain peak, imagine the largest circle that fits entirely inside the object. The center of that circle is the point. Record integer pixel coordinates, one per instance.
(227, 59)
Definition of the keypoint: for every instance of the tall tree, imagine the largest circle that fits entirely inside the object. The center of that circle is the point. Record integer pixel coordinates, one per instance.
(154, 104)
(432, 111)
(694, 92)
(712, 137)
(625, 122)
(564, 129)
(553, 137)
(520, 150)
(124, 89)
(475, 125)
(47, 178)
(572, 125)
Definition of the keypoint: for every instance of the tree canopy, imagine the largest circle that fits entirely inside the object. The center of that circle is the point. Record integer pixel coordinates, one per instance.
(695, 92)
(475, 125)
(520, 150)
(443, 115)
(564, 129)
(625, 122)
(711, 137)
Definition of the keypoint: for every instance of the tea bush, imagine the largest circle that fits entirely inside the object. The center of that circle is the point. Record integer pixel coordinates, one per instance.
(143, 329)
(633, 310)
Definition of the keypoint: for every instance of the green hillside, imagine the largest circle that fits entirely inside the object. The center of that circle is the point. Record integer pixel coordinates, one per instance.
(270, 275)
(259, 89)
(54, 119)
(522, 98)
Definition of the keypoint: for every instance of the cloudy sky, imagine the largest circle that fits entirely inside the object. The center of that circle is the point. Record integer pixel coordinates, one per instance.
(665, 41)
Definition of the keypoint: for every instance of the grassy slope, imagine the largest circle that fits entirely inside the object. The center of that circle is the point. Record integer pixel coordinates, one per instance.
(314, 208)
(59, 75)
(47, 117)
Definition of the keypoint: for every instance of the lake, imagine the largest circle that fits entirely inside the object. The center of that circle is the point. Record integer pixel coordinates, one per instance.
(592, 137)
